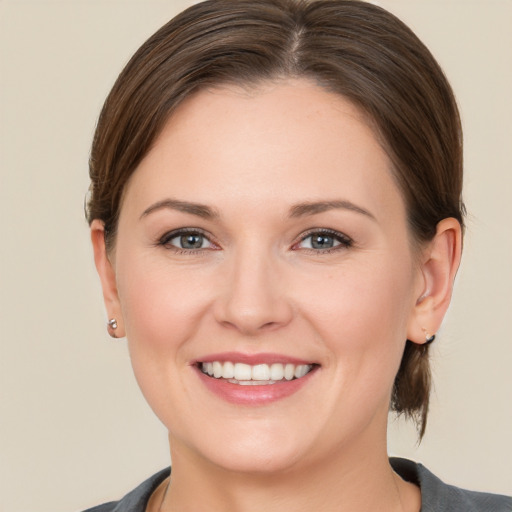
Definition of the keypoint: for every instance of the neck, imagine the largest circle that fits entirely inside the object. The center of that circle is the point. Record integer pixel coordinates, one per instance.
(347, 482)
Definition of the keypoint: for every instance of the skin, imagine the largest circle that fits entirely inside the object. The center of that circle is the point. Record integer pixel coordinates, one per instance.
(258, 286)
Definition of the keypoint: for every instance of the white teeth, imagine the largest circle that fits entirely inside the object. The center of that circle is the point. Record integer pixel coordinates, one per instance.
(261, 372)
(229, 370)
(277, 372)
(289, 371)
(251, 382)
(217, 369)
(242, 371)
(301, 370)
(245, 374)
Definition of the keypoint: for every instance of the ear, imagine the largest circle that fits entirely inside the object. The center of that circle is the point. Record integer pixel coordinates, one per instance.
(106, 272)
(438, 266)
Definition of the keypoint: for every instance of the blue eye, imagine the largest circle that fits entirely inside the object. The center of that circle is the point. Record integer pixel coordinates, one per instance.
(190, 241)
(186, 240)
(324, 241)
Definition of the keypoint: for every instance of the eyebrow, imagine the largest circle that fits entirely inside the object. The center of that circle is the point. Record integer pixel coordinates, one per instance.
(298, 210)
(312, 208)
(200, 210)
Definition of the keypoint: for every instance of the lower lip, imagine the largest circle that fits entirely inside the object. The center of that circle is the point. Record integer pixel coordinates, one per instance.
(253, 394)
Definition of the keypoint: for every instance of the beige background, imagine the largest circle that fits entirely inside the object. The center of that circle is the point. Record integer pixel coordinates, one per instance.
(74, 428)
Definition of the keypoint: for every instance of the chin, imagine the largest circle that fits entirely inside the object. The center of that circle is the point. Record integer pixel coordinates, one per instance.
(260, 452)
(256, 461)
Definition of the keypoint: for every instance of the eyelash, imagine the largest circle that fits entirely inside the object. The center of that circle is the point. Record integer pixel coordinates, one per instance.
(166, 239)
(344, 242)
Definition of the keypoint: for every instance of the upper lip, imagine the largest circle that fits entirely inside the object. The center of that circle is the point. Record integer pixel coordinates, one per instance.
(252, 359)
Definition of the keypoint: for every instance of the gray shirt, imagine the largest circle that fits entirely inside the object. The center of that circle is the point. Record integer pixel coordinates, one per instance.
(436, 496)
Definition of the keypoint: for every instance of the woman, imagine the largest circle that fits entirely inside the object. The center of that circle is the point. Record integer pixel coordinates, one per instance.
(276, 218)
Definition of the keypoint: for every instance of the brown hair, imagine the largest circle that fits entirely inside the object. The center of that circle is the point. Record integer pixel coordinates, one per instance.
(350, 47)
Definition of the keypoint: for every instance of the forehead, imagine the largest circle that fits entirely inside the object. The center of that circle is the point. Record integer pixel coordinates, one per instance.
(282, 141)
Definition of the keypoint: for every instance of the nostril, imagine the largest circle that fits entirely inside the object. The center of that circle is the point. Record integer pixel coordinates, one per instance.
(251, 327)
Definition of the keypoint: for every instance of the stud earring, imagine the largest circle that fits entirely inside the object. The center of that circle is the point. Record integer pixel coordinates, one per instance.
(429, 339)
(111, 327)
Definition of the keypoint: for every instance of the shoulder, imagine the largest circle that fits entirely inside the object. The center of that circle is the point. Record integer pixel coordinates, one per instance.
(136, 500)
(436, 496)
(106, 507)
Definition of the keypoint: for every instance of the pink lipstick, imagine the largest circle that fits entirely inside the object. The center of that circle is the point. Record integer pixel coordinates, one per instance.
(254, 379)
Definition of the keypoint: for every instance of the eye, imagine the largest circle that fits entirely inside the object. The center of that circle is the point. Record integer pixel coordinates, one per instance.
(187, 240)
(324, 240)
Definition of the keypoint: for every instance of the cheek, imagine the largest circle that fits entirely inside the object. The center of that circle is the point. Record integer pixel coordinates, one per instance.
(361, 314)
(363, 299)
(162, 310)
(160, 304)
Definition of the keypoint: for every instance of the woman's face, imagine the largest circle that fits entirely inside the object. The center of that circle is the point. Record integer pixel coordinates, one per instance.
(263, 237)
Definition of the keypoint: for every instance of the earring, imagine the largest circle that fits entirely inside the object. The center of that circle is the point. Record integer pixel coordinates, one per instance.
(111, 327)
(429, 339)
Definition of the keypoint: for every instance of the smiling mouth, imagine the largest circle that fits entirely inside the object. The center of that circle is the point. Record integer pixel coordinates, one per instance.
(255, 375)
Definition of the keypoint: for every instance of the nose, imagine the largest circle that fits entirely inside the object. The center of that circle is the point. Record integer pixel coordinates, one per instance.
(253, 296)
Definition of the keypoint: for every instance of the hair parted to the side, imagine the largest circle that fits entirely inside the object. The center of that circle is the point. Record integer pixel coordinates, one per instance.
(349, 47)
